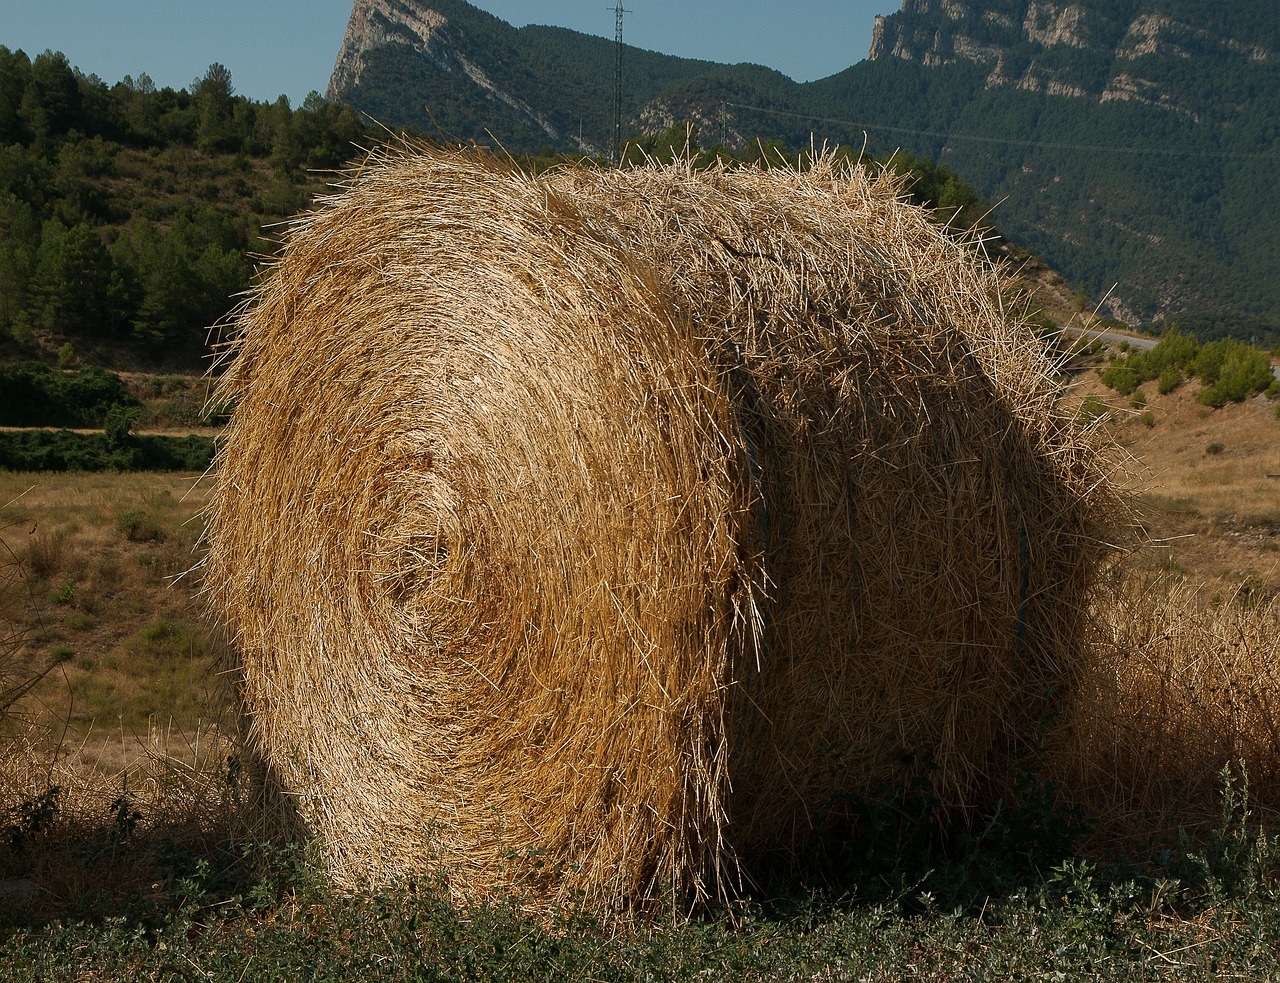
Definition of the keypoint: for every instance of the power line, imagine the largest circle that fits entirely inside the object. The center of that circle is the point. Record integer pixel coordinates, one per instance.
(1010, 141)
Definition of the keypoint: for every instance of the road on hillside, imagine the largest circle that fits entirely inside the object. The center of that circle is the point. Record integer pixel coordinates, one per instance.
(1145, 342)
(1142, 341)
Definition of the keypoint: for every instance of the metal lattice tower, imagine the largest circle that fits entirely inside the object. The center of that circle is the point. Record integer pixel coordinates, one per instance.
(618, 11)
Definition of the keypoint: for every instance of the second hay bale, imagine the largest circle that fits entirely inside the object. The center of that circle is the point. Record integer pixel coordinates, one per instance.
(603, 531)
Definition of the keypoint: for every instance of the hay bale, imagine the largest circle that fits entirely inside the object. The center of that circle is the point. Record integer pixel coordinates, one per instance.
(603, 531)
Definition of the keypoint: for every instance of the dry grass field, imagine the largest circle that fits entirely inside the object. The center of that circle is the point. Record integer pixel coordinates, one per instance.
(96, 585)
(1210, 514)
(95, 589)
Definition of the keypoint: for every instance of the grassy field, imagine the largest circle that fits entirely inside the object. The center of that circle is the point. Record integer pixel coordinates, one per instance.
(136, 844)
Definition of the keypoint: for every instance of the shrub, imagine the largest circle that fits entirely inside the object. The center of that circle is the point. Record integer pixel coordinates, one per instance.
(117, 426)
(63, 450)
(1093, 407)
(140, 527)
(1170, 379)
(1231, 371)
(1121, 377)
(35, 395)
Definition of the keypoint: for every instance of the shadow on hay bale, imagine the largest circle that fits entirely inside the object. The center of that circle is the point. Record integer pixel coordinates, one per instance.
(600, 533)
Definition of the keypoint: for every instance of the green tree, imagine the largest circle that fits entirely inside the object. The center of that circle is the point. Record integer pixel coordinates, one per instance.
(71, 286)
(1231, 371)
(213, 96)
(19, 242)
(50, 103)
(15, 73)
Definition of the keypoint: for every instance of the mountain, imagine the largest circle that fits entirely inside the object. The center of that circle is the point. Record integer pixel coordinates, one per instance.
(1132, 143)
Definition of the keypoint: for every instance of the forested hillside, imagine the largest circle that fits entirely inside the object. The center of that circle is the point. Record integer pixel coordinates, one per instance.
(130, 215)
(1132, 144)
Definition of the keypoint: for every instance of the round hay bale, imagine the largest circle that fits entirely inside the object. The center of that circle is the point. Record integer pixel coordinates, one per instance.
(933, 520)
(594, 534)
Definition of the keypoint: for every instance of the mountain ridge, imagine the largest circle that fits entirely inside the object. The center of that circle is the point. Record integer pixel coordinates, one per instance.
(1130, 143)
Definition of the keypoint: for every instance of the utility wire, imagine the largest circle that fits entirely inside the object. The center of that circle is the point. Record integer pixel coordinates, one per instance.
(1009, 141)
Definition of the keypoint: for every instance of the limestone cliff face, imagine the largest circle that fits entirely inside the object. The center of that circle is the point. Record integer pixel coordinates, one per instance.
(375, 23)
(1096, 49)
(420, 26)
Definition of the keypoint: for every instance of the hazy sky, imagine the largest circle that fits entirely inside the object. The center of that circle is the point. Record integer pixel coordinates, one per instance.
(289, 46)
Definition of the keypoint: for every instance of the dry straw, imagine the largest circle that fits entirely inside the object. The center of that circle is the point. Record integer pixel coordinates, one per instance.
(603, 533)
(1179, 693)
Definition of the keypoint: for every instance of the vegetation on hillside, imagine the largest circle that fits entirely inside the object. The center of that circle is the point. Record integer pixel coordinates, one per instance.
(129, 215)
(1162, 203)
(1228, 370)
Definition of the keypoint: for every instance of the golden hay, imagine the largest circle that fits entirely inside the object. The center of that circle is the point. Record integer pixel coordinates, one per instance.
(1179, 693)
(603, 532)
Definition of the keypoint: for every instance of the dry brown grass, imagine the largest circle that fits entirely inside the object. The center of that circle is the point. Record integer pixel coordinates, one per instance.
(1209, 513)
(601, 532)
(92, 560)
(1181, 691)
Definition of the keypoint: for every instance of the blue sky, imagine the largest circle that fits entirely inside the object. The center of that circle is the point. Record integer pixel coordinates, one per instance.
(289, 46)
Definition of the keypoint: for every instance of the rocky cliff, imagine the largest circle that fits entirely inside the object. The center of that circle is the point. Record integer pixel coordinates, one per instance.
(375, 23)
(438, 42)
(1099, 49)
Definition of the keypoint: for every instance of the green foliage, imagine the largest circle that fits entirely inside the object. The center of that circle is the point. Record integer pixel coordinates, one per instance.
(1121, 376)
(1170, 379)
(118, 425)
(1231, 371)
(35, 395)
(939, 187)
(32, 817)
(1093, 408)
(128, 214)
(139, 526)
(63, 450)
(1208, 903)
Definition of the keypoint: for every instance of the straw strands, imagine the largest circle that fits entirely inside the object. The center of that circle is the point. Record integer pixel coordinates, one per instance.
(601, 533)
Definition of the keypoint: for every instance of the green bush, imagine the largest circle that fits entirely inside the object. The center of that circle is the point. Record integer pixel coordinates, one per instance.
(1231, 371)
(63, 450)
(34, 395)
(139, 526)
(1121, 377)
(1171, 378)
(1092, 408)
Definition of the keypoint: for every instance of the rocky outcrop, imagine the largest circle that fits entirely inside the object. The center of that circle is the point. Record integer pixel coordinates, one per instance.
(376, 24)
(1116, 33)
(1050, 24)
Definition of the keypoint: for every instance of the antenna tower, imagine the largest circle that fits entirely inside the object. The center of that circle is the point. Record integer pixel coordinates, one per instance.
(618, 11)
